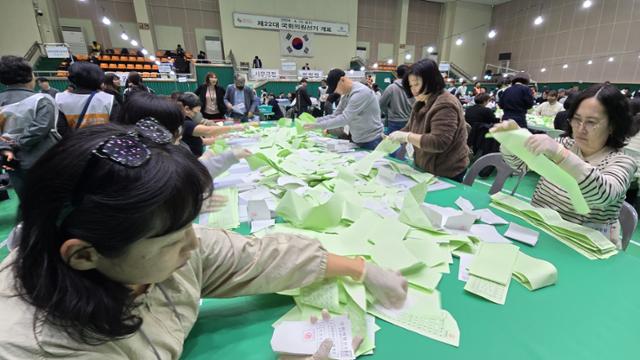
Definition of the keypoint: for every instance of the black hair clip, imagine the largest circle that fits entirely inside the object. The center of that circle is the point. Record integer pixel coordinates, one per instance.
(127, 149)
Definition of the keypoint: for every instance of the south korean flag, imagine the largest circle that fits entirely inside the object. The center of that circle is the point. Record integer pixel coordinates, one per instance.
(296, 44)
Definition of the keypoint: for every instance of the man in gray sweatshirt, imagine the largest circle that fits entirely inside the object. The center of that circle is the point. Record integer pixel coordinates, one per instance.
(397, 106)
(358, 108)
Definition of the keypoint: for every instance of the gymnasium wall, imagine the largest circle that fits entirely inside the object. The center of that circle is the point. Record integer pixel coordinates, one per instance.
(423, 26)
(88, 15)
(570, 35)
(19, 27)
(183, 22)
(376, 28)
(328, 51)
(472, 21)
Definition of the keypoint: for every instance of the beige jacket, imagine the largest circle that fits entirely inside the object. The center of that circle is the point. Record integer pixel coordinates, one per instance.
(225, 265)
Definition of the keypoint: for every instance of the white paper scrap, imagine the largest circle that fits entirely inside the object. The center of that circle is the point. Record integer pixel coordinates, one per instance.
(522, 234)
(304, 338)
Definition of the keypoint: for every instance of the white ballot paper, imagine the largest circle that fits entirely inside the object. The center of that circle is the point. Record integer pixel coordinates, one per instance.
(258, 210)
(522, 234)
(304, 338)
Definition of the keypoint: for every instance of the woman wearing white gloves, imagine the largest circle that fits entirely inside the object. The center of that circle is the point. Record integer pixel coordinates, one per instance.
(436, 129)
(600, 123)
(109, 265)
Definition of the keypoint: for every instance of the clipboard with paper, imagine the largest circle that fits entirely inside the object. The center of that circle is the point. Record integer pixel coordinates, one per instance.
(514, 141)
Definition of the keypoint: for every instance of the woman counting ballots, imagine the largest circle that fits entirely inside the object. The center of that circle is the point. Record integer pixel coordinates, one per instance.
(437, 128)
(110, 266)
(591, 152)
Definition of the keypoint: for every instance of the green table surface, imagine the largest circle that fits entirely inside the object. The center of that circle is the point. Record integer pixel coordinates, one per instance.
(593, 312)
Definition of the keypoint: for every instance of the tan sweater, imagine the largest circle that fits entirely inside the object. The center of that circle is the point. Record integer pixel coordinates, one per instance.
(225, 265)
(443, 145)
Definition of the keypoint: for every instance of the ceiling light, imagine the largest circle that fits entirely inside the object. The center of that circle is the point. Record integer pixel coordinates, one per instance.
(543, 69)
(565, 66)
(459, 41)
(492, 34)
(361, 68)
(589, 62)
(144, 51)
(375, 65)
(611, 59)
(407, 57)
(390, 61)
(505, 75)
(106, 21)
(134, 42)
(124, 36)
(430, 49)
(586, 4)
(539, 20)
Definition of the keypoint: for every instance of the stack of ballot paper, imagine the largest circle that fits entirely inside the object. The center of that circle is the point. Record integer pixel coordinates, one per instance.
(489, 272)
(586, 241)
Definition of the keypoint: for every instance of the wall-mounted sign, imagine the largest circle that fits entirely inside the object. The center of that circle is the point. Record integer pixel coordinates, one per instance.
(57, 52)
(264, 74)
(311, 74)
(289, 24)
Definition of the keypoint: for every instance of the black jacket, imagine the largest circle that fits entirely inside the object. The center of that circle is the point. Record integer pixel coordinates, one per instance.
(479, 114)
(515, 101)
(201, 91)
(303, 101)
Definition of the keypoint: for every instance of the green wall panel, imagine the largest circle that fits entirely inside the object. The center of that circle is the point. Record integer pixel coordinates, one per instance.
(224, 73)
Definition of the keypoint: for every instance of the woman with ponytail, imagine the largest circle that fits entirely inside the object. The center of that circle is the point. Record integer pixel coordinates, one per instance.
(108, 264)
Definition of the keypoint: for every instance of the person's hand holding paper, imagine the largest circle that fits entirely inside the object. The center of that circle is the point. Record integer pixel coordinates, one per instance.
(530, 148)
(386, 286)
(324, 349)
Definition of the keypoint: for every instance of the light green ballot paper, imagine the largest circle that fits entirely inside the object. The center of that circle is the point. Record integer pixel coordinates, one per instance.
(514, 141)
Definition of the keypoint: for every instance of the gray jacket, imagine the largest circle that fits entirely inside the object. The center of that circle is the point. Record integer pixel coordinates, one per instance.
(32, 139)
(360, 110)
(395, 103)
(250, 100)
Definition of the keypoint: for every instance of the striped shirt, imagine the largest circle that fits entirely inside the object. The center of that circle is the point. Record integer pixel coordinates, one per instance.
(603, 178)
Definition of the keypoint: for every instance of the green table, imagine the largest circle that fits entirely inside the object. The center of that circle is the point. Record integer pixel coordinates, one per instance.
(593, 312)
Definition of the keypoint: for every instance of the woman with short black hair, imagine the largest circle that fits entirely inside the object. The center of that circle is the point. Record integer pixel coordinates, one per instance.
(591, 152)
(436, 129)
(110, 266)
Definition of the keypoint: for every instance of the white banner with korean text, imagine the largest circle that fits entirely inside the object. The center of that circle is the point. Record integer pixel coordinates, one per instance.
(289, 24)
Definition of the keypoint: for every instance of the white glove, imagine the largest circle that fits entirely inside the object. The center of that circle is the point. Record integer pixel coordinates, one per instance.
(543, 144)
(505, 125)
(241, 153)
(399, 136)
(388, 287)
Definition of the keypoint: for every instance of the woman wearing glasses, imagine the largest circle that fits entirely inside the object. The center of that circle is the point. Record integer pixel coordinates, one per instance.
(109, 265)
(599, 125)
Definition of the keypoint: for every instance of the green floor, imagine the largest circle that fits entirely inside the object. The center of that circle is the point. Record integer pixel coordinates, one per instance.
(525, 190)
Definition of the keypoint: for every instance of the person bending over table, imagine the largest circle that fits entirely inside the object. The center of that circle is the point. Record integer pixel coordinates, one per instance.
(592, 153)
(437, 128)
(198, 135)
(358, 108)
(170, 115)
(109, 264)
